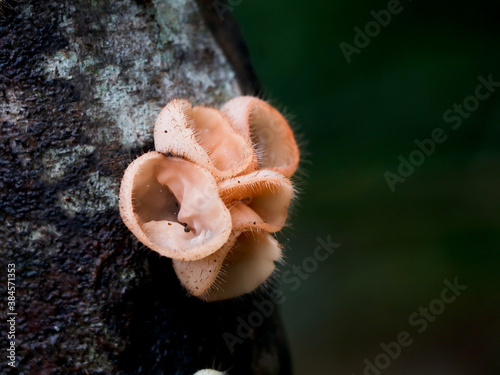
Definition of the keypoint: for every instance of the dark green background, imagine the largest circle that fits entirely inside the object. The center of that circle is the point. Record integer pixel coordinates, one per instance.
(396, 247)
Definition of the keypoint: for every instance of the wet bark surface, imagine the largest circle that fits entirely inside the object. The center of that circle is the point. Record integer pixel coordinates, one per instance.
(81, 83)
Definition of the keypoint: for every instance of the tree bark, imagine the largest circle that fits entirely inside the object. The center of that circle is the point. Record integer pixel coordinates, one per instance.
(81, 83)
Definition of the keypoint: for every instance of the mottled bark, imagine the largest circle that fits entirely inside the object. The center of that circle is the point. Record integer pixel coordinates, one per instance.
(81, 83)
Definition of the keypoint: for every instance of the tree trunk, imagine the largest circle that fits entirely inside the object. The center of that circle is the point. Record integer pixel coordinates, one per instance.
(81, 83)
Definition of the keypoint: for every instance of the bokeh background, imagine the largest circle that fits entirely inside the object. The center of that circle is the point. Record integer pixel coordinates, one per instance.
(396, 248)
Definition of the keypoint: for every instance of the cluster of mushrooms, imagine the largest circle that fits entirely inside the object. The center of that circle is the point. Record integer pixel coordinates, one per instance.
(213, 193)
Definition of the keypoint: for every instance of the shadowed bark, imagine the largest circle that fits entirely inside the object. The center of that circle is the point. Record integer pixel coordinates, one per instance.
(81, 83)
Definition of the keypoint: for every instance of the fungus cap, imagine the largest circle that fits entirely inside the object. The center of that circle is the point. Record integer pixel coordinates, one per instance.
(236, 269)
(262, 197)
(203, 136)
(267, 129)
(172, 206)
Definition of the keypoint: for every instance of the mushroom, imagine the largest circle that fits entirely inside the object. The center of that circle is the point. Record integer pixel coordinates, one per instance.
(267, 129)
(172, 206)
(239, 267)
(262, 197)
(213, 192)
(203, 136)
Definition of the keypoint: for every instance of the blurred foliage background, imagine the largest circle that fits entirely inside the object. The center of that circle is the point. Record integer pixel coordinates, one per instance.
(398, 247)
